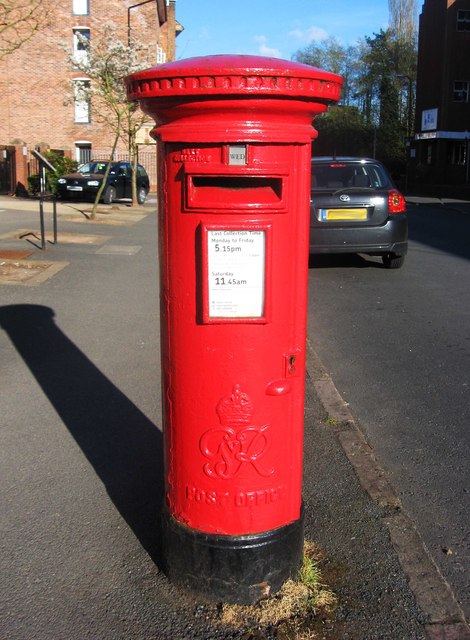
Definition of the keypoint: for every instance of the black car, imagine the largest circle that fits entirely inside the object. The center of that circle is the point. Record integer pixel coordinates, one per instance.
(85, 183)
(356, 208)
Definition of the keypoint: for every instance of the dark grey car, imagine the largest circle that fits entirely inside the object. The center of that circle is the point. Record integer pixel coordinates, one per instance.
(356, 208)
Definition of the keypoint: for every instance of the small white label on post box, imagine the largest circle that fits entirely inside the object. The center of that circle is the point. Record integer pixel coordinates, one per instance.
(236, 272)
(237, 154)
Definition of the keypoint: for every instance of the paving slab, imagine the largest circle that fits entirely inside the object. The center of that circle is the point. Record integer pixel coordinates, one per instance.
(119, 250)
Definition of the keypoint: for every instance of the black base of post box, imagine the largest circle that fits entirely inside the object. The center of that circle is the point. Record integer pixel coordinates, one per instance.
(232, 569)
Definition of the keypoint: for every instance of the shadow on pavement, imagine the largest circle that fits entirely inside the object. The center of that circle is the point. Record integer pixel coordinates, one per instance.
(342, 260)
(443, 228)
(122, 444)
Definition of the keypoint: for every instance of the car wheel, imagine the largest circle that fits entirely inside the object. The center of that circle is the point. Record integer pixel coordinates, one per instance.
(393, 260)
(109, 195)
(141, 195)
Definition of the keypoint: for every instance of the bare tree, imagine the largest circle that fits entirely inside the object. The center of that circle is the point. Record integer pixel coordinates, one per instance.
(19, 21)
(404, 35)
(403, 19)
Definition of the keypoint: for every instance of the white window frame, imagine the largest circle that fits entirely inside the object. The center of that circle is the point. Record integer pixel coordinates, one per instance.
(80, 52)
(82, 144)
(82, 107)
(81, 7)
(161, 55)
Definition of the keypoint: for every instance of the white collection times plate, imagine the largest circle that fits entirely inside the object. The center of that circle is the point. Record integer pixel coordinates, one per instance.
(236, 265)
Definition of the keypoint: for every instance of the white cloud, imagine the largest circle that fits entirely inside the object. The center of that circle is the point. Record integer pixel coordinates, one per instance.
(265, 50)
(307, 35)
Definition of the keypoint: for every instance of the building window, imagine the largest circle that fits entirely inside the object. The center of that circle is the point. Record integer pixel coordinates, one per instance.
(457, 153)
(80, 7)
(81, 38)
(461, 90)
(82, 101)
(463, 20)
(428, 154)
(161, 55)
(83, 152)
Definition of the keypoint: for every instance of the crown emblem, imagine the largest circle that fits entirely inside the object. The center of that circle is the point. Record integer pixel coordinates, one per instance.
(235, 409)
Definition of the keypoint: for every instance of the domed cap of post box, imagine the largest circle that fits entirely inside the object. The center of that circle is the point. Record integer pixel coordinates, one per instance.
(234, 75)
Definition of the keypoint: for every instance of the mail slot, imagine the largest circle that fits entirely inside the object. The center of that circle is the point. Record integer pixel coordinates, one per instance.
(234, 142)
(233, 192)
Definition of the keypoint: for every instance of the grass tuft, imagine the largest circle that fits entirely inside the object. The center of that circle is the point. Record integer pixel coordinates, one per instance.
(297, 603)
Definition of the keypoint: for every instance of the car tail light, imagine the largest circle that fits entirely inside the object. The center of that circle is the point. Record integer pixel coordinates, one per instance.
(396, 202)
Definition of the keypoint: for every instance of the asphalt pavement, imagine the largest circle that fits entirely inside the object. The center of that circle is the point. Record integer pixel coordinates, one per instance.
(82, 459)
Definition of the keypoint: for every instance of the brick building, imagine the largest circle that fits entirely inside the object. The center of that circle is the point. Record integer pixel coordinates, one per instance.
(39, 107)
(440, 153)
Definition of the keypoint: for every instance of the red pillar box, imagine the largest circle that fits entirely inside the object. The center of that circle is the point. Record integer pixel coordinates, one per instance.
(234, 136)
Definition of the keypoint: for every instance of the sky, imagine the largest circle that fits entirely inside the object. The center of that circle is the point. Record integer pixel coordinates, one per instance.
(277, 28)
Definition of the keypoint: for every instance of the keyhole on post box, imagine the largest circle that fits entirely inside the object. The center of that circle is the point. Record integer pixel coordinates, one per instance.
(291, 364)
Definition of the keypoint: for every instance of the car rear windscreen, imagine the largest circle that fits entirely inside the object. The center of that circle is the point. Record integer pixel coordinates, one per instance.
(338, 175)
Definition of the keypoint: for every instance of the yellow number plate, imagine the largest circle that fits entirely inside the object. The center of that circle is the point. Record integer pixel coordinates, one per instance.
(343, 214)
